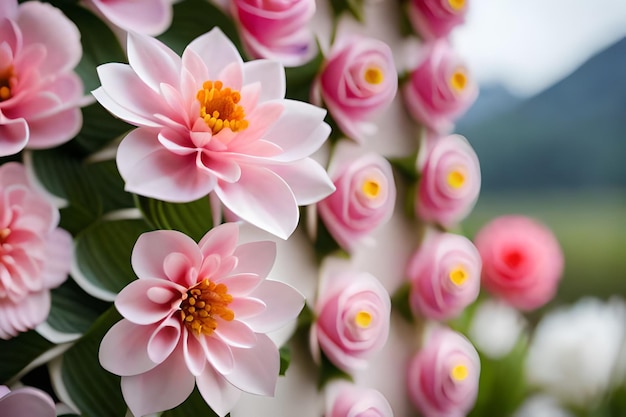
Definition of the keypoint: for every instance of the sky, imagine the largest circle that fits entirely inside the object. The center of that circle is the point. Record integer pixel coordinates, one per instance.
(529, 44)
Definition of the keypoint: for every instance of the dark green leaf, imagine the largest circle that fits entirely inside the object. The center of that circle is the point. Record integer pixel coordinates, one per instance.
(193, 406)
(19, 351)
(299, 78)
(99, 128)
(328, 372)
(73, 310)
(194, 218)
(400, 302)
(285, 359)
(109, 186)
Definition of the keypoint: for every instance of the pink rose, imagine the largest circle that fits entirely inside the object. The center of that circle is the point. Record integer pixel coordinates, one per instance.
(277, 29)
(25, 402)
(440, 89)
(443, 375)
(36, 255)
(445, 276)
(433, 19)
(358, 80)
(522, 261)
(198, 315)
(450, 180)
(150, 17)
(347, 400)
(364, 198)
(40, 94)
(353, 311)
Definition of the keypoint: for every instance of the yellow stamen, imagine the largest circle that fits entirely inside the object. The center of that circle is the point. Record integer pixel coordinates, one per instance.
(456, 179)
(456, 4)
(458, 275)
(363, 319)
(374, 75)
(458, 80)
(219, 108)
(371, 188)
(203, 304)
(459, 372)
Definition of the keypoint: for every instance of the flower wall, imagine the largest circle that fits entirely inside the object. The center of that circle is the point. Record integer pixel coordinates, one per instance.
(256, 208)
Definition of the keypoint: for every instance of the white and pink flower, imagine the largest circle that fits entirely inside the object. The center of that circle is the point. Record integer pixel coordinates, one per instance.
(444, 274)
(352, 317)
(277, 29)
(40, 93)
(433, 19)
(36, 254)
(344, 399)
(211, 123)
(198, 315)
(440, 89)
(522, 261)
(450, 181)
(26, 402)
(443, 376)
(358, 80)
(364, 198)
(150, 17)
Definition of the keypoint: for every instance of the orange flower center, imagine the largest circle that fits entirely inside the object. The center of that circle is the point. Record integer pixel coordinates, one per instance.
(458, 80)
(219, 108)
(5, 83)
(458, 276)
(459, 372)
(203, 304)
(374, 75)
(456, 179)
(456, 4)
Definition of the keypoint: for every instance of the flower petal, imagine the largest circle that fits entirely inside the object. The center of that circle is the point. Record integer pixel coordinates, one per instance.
(216, 50)
(59, 254)
(152, 61)
(27, 401)
(13, 135)
(134, 340)
(195, 358)
(219, 354)
(139, 301)
(284, 303)
(218, 393)
(245, 308)
(255, 257)
(270, 74)
(256, 369)
(221, 240)
(151, 17)
(55, 129)
(236, 334)
(307, 179)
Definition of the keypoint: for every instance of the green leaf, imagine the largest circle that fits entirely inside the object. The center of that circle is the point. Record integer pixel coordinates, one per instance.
(400, 302)
(194, 218)
(73, 310)
(328, 372)
(299, 78)
(99, 129)
(193, 406)
(354, 7)
(285, 359)
(193, 18)
(18, 352)
(107, 183)
(103, 252)
(94, 390)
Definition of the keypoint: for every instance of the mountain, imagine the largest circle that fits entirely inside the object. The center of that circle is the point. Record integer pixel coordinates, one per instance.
(572, 135)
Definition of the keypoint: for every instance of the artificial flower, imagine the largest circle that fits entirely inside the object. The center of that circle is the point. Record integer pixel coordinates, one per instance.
(40, 93)
(353, 311)
(433, 19)
(277, 29)
(443, 375)
(36, 254)
(358, 80)
(450, 181)
(25, 402)
(198, 315)
(541, 405)
(444, 274)
(150, 17)
(211, 123)
(522, 260)
(364, 198)
(347, 400)
(575, 351)
(440, 89)
(495, 328)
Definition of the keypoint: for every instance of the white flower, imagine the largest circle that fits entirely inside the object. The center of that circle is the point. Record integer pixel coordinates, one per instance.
(495, 328)
(541, 406)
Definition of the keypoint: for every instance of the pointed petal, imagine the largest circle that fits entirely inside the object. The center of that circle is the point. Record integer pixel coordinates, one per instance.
(53, 130)
(255, 257)
(218, 393)
(236, 334)
(270, 74)
(151, 17)
(59, 254)
(307, 179)
(283, 302)
(241, 284)
(136, 302)
(256, 369)
(195, 357)
(13, 135)
(216, 51)
(219, 354)
(154, 62)
(245, 308)
(124, 349)
(221, 240)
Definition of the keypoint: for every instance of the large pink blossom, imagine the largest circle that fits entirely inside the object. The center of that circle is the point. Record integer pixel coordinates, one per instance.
(444, 273)
(211, 123)
(433, 19)
(36, 255)
(443, 376)
(357, 81)
(364, 199)
(198, 315)
(353, 312)
(25, 402)
(344, 399)
(522, 260)
(450, 180)
(39, 91)
(440, 89)
(277, 29)
(151, 17)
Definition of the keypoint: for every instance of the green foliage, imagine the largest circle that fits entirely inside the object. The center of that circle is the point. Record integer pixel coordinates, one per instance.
(18, 352)
(193, 406)
(73, 310)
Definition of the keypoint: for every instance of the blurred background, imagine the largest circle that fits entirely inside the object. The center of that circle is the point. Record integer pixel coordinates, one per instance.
(549, 127)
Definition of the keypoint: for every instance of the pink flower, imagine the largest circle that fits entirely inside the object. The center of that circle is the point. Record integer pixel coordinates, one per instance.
(25, 402)
(434, 19)
(358, 80)
(353, 312)
(440, 89)
(150, 17)
(346, 400)
(522, 261)
(443, 375)
(198, 314)
(450, 181)
(445, 276)
(39, 92)
(36, 255)
(364, 198)
(277, 29)
(211, 123)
